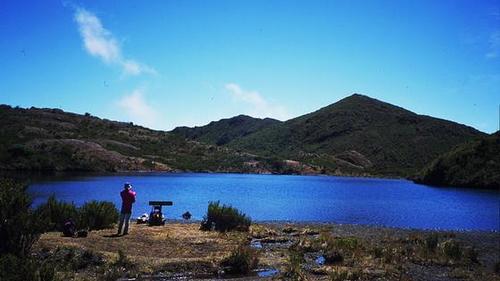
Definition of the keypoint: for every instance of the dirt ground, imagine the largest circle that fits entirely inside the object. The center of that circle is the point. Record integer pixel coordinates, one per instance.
(182, 251)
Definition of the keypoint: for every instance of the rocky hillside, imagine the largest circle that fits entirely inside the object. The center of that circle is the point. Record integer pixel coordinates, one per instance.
(472, 164)
(51, 139)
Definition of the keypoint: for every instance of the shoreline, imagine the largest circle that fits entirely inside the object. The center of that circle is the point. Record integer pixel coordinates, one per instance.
(46, 175)
(331, 224)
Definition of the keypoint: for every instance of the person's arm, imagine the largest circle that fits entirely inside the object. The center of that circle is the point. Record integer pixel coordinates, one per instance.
(133, 197)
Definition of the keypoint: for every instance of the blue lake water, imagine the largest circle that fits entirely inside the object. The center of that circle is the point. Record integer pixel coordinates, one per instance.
(385, 202)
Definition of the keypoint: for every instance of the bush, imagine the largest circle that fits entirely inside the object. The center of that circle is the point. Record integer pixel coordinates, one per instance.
(332, 257)
(97, 215)
(241, 261)
(92, 215)
(224, 218)
(20, 227)
(452, 249)
(123, 261)
(471, 255)
(293, 270)
(122, 267)
(74, 259)
(14, 268)
(341, 274)
(57, 213)
(431, 241)
(339, 243)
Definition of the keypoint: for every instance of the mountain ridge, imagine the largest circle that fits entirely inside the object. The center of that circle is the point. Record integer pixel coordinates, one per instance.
(384, 134)
(357, 135)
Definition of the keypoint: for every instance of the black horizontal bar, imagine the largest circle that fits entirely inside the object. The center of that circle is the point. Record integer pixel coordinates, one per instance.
(161, 203)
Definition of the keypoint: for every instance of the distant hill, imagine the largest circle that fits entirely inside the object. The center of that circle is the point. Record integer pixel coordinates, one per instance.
(224, 131)
(368, 135)
(357, 135)
(54, 140)
(472, 164)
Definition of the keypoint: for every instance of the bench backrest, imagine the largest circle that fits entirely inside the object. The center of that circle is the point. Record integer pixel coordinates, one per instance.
(161, 203)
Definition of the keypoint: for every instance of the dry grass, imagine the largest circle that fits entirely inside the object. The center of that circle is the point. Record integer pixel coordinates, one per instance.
(153, 247)
(368, 253)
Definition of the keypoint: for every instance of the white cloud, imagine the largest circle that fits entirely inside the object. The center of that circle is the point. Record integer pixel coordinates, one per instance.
(139, 110)
(100, 42)
(494, 45)
(258, 105)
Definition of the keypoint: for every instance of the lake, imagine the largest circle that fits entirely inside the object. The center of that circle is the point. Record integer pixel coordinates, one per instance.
(346, 200)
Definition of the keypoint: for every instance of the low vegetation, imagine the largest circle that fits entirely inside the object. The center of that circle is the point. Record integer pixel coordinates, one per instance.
(92, 215)
(97, 215)
(57, 213)
(224, 218)
(241, 261)
(367, 253)
(20, 228)
(473, 164)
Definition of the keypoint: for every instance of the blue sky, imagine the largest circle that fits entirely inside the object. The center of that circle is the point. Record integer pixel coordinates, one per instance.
(164, 64)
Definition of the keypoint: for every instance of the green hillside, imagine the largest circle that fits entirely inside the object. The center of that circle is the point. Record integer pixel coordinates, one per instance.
(472, 164)
(374, 136)
(51, 139)
(354, 136)
(224, 131)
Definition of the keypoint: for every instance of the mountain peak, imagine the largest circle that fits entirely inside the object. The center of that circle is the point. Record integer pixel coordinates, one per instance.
(356, 97)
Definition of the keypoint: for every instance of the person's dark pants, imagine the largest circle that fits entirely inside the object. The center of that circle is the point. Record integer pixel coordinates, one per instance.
(124, 218)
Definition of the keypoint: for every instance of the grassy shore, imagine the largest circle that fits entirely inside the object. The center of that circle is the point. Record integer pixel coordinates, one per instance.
(295, 251)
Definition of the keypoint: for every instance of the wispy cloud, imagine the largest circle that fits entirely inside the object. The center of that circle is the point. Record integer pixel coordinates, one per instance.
(494, 45)
(100, 42)
(258, 105)
(137, 109)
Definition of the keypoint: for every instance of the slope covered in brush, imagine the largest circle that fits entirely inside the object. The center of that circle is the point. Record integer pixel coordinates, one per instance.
(472, 164)
(51, 139)
(379, 137)
(225, 130)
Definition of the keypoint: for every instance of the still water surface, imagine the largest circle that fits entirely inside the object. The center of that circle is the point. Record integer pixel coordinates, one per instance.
(386, 202)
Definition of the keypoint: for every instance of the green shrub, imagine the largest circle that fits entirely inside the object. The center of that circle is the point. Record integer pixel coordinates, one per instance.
(57, 213)
(14, 268)
(123, 261)
(293, 270)
(241, 261)
(452, 249)
(333, 257)
(377, 252)
(20, 227)
(96, 215)
(349, 243)
(224, 218)
(471, 255)
(339, 243)
(74, 259)
(92, 215)
(431, 241)
(122, 267)
(342, 274)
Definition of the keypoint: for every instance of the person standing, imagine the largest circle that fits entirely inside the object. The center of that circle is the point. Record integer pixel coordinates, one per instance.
(128, 198)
